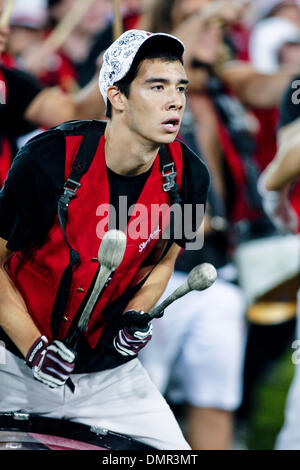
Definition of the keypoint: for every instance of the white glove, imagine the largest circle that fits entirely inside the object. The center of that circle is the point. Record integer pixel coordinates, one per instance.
(278, 208)
(51, 363)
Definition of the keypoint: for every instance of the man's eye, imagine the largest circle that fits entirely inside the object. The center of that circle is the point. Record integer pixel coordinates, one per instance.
(182, 89)
(157, 87)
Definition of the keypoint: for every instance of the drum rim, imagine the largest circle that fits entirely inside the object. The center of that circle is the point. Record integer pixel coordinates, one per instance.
(63, 428)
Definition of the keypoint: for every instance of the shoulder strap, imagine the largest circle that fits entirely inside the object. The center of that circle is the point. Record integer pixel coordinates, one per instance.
(83, 159)
(167, 168)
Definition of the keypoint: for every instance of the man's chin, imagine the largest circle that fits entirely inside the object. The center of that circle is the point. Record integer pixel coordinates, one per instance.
(168, 138)
(163, 139)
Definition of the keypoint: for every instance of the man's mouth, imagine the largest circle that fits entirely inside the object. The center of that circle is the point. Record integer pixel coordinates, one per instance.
(171, 125)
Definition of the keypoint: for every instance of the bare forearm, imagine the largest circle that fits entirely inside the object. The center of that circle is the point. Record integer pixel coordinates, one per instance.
(256, 89)
(265, 91)
(285, 168)
(52, 107)
(155, 285)
(151, 291)
(14, 317)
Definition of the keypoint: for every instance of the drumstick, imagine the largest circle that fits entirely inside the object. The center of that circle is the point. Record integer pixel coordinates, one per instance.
(4, 20)
(200, 278)
(110, 256)
(118, 24)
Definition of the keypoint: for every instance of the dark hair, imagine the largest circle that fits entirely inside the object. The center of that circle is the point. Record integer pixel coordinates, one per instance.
(148, 51)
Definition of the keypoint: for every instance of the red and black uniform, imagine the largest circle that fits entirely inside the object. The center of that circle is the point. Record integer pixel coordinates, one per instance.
(28, 206)
(241, 169)
(238, 148)
(17, 90)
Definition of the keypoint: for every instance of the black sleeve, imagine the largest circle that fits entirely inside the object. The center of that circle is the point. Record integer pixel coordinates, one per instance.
(28, 199)
(195, 184)
(290, 104)
(21, 89)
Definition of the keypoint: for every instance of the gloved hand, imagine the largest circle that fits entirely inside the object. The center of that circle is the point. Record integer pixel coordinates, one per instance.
(135, 334)
(278, 208)
(51, 363)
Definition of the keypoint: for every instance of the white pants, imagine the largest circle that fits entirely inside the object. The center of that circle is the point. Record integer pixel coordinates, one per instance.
(199, 345)
(289, 436)
(123, 400)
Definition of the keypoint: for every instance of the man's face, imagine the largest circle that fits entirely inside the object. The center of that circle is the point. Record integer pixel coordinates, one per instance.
(154, 108)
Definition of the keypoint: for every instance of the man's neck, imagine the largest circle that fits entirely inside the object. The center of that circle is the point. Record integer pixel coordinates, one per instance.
(126, 153)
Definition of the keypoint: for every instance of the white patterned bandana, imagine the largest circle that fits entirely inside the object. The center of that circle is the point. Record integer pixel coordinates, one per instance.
(118, 58)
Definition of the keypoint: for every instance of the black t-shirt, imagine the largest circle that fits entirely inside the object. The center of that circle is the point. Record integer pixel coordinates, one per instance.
(290, 103)
(21, 89)
(28, 200)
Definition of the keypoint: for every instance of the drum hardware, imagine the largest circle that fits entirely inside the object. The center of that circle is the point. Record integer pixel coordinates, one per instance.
(13, 445)
(99, 431)
(20, 416)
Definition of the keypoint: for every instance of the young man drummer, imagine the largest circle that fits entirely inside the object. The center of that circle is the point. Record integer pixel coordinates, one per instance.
(51, 227)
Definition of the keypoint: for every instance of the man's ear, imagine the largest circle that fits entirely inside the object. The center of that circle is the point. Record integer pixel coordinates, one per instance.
(116, 98)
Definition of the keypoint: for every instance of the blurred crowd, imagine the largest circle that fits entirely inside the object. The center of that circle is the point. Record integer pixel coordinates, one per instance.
(241, 58)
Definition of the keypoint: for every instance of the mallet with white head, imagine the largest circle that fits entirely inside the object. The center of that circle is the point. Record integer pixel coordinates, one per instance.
(110, 256)
(200, 278)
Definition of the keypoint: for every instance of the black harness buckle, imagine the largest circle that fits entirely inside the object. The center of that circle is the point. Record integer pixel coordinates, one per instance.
(169, 173)
(70, 188)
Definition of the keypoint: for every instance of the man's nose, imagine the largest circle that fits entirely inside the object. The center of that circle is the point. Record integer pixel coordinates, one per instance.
(175, 100)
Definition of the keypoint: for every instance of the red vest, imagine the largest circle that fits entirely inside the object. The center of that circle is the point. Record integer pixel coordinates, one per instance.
(5, 150)
(38, 277)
